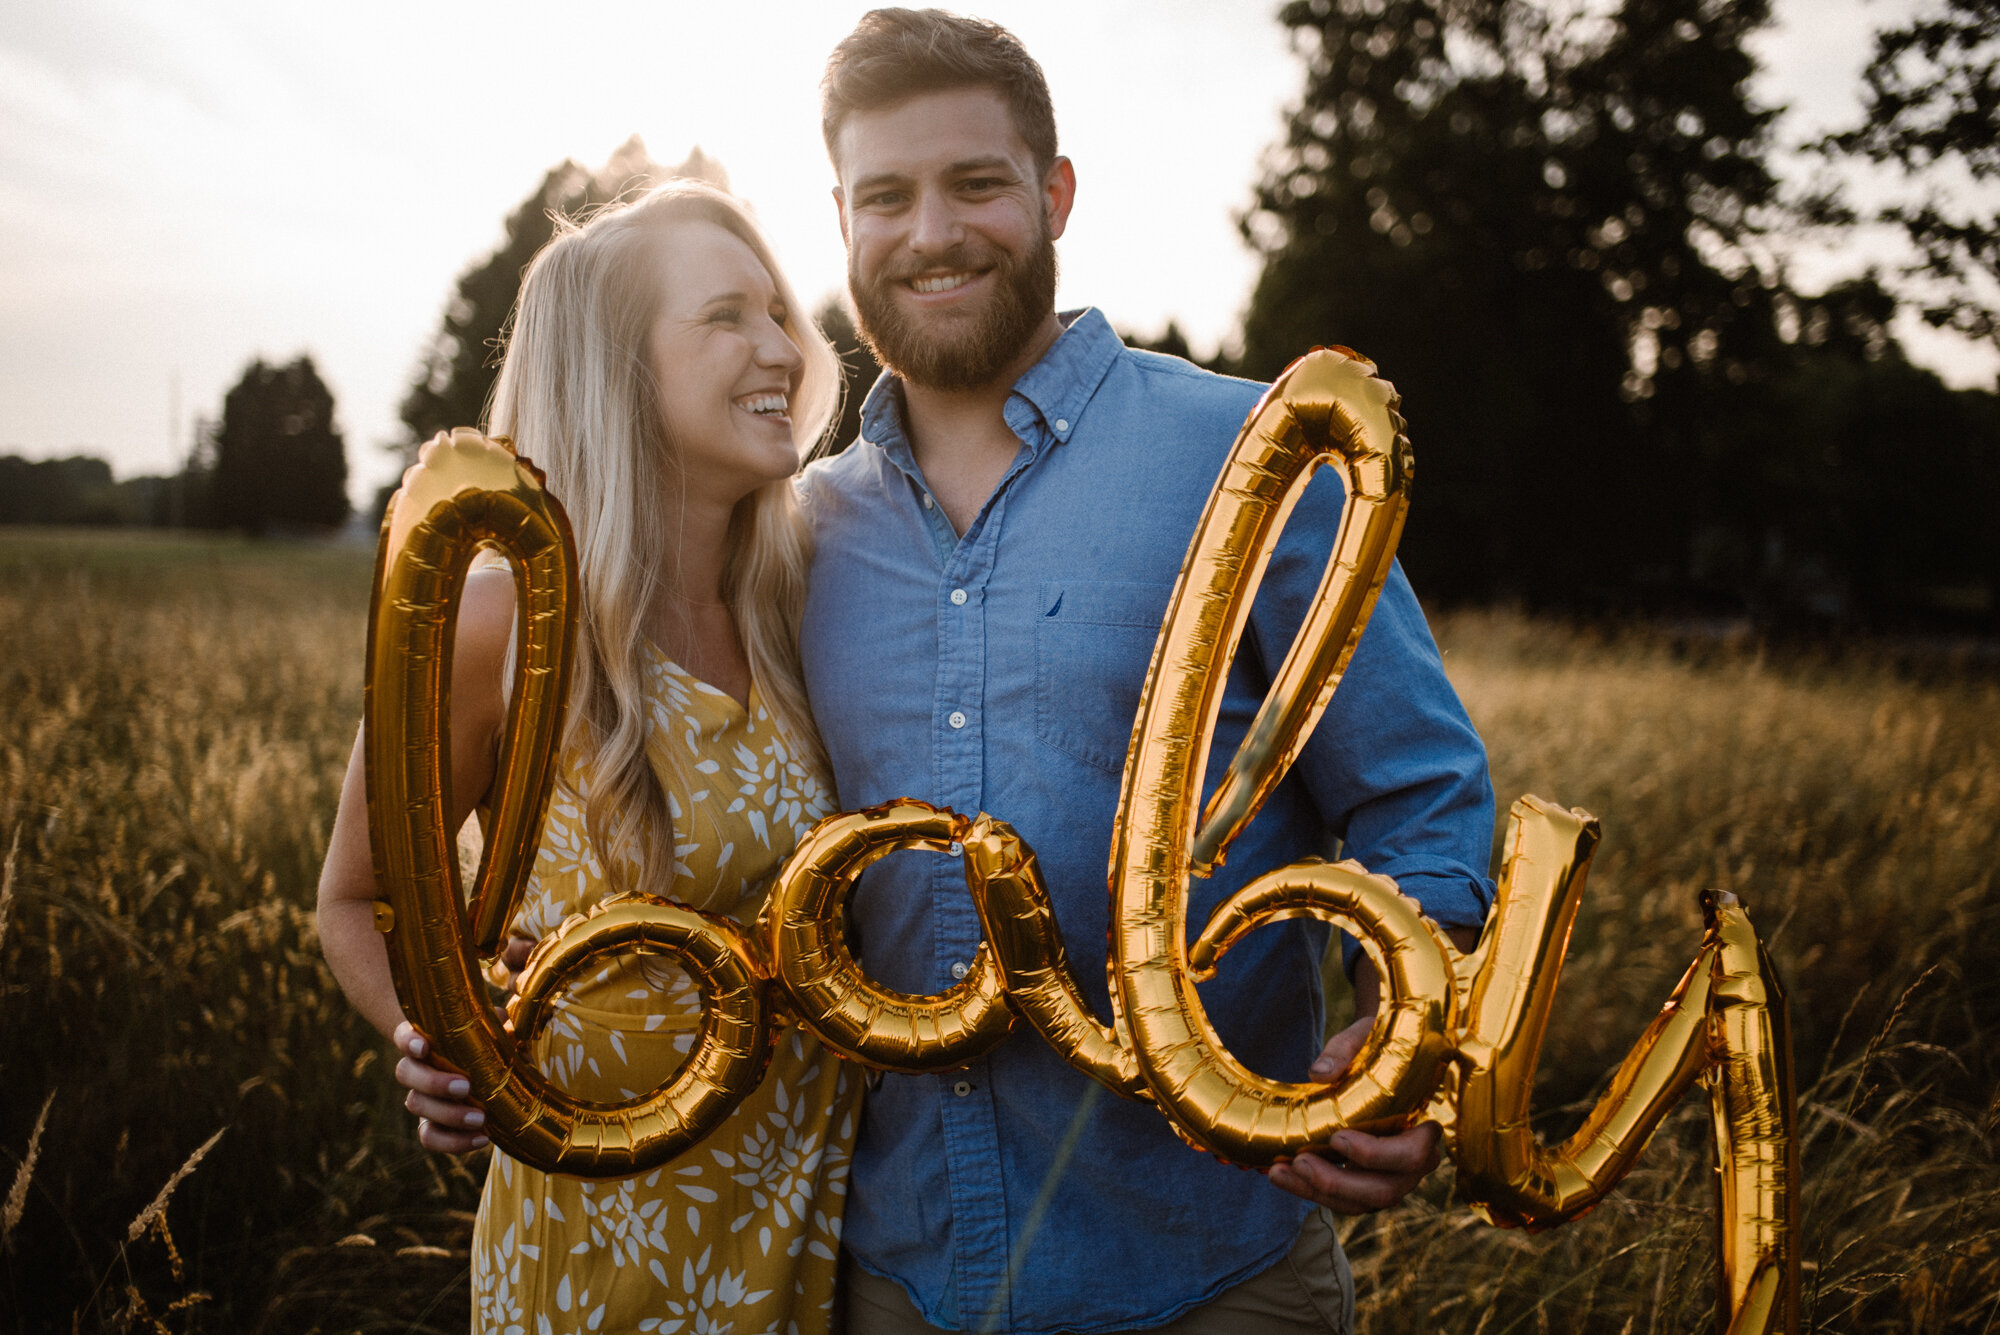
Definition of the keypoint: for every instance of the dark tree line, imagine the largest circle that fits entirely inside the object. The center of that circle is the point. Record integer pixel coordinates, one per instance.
(273, 462)
(1558, 233)
(1554, 236)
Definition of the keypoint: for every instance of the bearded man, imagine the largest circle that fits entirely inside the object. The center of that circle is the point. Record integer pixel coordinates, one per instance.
(995, 555)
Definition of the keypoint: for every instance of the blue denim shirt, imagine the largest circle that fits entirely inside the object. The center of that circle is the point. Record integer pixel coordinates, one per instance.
(1000, 671)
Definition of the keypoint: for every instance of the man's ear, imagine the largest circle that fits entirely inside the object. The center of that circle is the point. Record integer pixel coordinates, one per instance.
(840, 207)
(1059, 194)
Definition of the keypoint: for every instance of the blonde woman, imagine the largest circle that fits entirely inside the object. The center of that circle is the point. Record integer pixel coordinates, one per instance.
(662, 373)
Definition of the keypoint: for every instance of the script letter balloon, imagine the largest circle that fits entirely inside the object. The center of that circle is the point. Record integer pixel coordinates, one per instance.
(1328, 407)
(466, 492)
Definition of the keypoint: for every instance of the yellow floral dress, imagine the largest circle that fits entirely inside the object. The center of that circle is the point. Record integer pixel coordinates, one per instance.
(741, 1233)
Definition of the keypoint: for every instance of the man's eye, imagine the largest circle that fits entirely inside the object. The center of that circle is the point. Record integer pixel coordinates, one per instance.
(885, 200)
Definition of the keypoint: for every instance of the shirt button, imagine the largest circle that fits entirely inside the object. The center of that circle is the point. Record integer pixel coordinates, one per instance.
(1062, 424)
(928, 502)
(957, 850)
(957, 719)
(962, 1088)
(959, 970)
(958, 597)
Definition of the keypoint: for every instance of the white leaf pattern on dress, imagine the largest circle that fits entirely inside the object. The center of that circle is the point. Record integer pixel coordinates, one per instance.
(776, 1172)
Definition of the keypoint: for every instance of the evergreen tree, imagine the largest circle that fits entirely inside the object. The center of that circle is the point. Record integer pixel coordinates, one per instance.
(1933, 101)
(279, 461)
(1542, 229)
(455, 377)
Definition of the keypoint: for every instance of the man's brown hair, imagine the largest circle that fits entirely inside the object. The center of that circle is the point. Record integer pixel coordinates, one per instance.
(896, 54)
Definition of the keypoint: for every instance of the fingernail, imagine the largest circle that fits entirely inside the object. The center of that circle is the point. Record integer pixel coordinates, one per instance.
(1322, 1067)
(480, 1142)
(418, 1047)
(475, 1118)
(458, 1089)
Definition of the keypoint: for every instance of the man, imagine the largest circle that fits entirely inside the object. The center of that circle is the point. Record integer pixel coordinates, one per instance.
(995, 555)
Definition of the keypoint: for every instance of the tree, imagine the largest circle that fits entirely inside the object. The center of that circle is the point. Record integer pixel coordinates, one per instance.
(279, 461)
(1544, 231)
(1934, 102)
(75, 490)
(455, 377)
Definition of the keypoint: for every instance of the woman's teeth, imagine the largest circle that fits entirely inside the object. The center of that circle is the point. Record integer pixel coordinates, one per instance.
(765, 404)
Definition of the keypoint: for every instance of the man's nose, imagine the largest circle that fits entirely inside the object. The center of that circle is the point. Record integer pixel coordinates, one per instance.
(935, 226)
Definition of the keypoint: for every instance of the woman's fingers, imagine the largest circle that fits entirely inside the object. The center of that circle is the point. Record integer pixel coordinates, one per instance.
(445, 1112)
(410, 1042)
(441, 1139)
(423, 1078)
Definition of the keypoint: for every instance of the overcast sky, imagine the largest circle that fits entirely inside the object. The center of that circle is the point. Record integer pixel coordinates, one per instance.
(185, 184)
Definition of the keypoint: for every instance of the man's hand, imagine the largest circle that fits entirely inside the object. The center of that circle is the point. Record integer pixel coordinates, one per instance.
(1356, 1173)
(448, 1121)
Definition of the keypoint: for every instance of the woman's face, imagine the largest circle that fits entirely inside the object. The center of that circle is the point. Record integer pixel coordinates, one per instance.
(726, 369)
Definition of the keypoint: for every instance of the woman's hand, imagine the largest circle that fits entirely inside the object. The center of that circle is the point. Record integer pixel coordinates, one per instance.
(448, 1121)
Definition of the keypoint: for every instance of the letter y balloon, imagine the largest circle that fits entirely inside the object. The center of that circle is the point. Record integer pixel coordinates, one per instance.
(1456, 1039)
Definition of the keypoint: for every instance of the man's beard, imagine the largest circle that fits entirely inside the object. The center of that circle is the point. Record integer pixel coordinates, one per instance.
(967, 354)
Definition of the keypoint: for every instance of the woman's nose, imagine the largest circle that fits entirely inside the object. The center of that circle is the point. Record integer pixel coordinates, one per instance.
(776, 349)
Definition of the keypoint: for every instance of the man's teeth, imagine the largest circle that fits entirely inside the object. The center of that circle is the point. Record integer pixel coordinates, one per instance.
(765, 403)
(944, 284)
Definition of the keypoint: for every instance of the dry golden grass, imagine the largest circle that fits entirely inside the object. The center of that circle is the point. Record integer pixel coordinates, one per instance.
(1858, 813)
(174, 715)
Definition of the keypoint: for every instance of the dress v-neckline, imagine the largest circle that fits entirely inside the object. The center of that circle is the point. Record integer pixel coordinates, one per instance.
(741, 707)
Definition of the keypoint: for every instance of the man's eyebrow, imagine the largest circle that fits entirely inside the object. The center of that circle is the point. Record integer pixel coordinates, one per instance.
(879, 180)
(987, 163)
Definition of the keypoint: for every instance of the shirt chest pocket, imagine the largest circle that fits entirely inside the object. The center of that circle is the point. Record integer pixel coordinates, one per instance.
(1093, 641)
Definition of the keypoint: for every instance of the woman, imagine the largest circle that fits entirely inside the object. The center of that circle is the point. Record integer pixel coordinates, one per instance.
(661, 373)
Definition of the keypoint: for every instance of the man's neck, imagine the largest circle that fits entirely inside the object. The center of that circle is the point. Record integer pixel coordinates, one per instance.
(960, 438)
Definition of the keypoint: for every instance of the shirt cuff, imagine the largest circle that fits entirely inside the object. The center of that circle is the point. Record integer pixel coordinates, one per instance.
(1448, 898)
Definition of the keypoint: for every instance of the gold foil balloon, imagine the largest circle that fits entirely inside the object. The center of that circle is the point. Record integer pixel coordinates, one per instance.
(1457, 1035)
(464, 493)
(1328, 407)
(806, 918)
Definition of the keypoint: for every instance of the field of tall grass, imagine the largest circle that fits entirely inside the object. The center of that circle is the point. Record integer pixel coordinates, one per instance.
(196, 1134)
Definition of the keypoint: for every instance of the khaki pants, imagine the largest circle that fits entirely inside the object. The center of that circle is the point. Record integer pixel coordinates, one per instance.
(1309, 1292)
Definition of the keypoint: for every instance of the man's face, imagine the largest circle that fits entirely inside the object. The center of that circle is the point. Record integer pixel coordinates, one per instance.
(950, 235)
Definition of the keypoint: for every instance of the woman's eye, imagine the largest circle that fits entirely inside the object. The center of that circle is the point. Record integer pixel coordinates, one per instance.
(725, 315)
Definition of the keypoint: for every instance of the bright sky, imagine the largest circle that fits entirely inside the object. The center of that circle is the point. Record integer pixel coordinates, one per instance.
(187, 183)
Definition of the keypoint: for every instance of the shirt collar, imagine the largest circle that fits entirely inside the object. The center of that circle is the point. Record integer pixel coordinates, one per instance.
(1058, 388)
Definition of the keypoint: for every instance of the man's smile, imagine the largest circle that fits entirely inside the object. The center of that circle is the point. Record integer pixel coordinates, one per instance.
(950, 282)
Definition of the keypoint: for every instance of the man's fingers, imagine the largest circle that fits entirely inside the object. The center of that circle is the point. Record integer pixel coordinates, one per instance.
(1341, 1050)
(1407, 1152)
(1344, 1190)
(1357, 1173)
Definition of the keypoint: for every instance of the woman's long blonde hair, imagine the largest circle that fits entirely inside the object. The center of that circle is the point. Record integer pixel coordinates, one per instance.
(577, 394)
